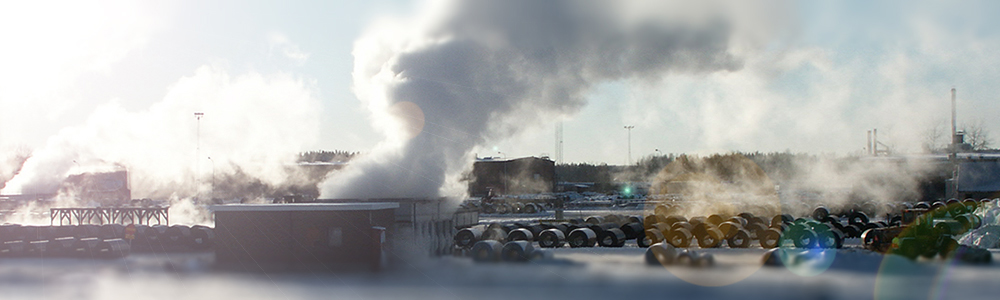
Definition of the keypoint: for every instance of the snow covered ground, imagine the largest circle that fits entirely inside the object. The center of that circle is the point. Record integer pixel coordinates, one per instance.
(591, 273)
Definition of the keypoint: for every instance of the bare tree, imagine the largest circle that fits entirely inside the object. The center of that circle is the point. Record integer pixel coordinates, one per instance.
(977, 136)
(937, 138)
(934, 138)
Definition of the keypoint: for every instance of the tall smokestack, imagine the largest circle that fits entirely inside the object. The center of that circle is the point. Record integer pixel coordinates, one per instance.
(868, 147)
(875, 142)
(953, 154)
(954, 130)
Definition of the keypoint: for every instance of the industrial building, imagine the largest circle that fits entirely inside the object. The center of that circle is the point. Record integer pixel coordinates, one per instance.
(106, 188)
(302, 236)
(526, 175)
(336, 234)
(977, 176)
(98, 188)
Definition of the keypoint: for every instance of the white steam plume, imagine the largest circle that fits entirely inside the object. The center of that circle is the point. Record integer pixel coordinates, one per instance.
(468, 71)
(253, 123)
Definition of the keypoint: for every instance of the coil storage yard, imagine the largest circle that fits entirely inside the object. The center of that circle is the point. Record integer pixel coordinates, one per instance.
(596, 254)
(828, 253)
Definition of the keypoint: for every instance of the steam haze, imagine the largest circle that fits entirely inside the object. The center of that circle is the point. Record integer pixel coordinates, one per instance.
(255, 123)
(108, 83)
(483, 70)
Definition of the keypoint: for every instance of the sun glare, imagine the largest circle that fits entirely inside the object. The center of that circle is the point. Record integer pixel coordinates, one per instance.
(48, 44)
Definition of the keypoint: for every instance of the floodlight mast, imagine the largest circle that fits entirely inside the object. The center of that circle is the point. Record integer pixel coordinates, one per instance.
(197, 149)
(629, 129)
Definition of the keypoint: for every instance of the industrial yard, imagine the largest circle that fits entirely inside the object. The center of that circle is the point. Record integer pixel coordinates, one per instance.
(169, 262)
(566, 273)
(698, 234)
(499, 149)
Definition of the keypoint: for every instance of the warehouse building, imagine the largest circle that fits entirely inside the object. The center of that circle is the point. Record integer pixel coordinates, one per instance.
(526, 175)
(323, 236)
(336, 234)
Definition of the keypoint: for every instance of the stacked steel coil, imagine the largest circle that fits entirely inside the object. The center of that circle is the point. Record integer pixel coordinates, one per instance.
(100, 241)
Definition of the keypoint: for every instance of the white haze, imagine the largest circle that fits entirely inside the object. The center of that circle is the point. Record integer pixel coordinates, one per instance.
(253, 122)
(479, 70)
(50, 48)
(872, 184)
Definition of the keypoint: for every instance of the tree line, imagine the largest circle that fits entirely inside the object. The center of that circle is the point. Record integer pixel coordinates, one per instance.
(779, 166)
(325, 156)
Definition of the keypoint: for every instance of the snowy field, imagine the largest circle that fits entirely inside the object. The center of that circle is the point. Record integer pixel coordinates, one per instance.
(591, 273)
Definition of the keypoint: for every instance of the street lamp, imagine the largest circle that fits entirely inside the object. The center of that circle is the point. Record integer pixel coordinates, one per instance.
(198, 116)
(629, 129)
(197, 149)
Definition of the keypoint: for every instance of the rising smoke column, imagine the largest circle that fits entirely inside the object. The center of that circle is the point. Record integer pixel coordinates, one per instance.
(469, 71)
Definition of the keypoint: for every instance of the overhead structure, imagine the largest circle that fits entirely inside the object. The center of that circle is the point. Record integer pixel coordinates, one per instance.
(110, 215)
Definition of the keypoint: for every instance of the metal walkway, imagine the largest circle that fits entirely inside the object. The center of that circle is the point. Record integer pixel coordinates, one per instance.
(109, 215)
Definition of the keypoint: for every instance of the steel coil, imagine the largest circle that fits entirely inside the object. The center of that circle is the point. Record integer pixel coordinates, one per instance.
(516, 251)
(486, 251)
(551, 238)
(582, 237)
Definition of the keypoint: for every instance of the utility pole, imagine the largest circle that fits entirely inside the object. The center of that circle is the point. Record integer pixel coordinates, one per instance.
(629, 129)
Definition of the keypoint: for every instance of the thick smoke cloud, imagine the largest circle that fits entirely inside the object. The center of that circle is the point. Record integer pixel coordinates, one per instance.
(253, 125)
(470, 71)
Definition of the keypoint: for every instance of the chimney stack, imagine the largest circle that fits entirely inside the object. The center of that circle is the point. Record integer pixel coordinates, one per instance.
(875, 142)
(954, 130)
(869, 146)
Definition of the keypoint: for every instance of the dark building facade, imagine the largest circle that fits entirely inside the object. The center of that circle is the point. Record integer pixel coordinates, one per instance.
(320, 236)
(978, 179)
(108, 188)
(527, 175)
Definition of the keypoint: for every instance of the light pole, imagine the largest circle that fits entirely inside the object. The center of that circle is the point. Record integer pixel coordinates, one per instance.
(212, 196)
(197, 149)
(629, 129)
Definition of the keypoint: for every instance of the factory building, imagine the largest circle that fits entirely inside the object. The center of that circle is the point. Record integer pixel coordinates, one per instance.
(977, 177)
(103, 188)
(339, 234)
(302, 236)
(527, 175)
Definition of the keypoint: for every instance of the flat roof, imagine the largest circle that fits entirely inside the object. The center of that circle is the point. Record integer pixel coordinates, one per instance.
(307, 206)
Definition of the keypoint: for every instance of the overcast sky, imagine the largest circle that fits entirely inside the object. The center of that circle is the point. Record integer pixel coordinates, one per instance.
(813, 77)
